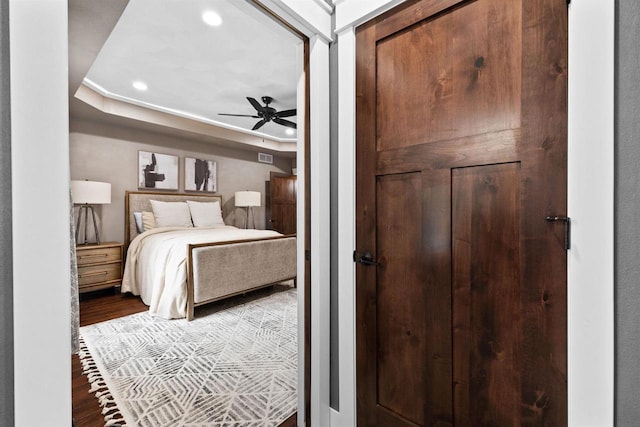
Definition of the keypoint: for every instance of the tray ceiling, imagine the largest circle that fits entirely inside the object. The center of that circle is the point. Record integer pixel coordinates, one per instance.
(195, 70)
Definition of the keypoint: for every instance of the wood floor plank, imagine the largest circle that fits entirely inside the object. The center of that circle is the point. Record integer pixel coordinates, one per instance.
(101, 306)
(96, 307)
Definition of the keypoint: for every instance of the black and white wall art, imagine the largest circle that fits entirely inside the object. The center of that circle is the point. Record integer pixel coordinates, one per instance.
(200, 175)
(157, 171)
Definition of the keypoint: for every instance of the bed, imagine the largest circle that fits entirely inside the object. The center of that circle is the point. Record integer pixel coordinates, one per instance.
(175, 269)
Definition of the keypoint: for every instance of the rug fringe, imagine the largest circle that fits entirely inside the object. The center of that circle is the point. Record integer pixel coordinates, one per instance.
(112, 415)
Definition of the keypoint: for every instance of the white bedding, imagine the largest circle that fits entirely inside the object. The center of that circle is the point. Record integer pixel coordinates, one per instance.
(156, 266)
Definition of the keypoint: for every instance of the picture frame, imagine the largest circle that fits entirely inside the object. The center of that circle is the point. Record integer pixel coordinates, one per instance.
(200, 175)
(157, 171)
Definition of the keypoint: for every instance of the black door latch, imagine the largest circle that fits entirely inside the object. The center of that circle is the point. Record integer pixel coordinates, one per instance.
(364, 258)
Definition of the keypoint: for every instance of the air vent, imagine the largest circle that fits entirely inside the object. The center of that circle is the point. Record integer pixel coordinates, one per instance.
(265, 158)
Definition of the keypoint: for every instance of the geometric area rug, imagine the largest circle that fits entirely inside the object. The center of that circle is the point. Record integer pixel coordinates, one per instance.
(233, 365)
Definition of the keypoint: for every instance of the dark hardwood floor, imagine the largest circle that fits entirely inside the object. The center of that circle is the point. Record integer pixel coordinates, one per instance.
(96, 307)
(105, 305)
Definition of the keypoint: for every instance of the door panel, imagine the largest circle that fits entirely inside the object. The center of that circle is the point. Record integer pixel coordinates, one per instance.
(436, 259)
(465, 63)
(486, 295)
(461, 154)
(401, 324)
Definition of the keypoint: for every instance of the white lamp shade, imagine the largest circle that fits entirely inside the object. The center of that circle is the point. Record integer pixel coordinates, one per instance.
(90, 192)
(247, 198)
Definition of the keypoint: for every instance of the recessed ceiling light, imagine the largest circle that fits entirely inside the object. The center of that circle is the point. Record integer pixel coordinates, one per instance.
(290, 131)
(212, 18)
(140, 85)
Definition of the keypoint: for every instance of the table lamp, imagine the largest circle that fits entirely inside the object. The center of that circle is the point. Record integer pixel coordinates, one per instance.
(247, 200)
(86, 194)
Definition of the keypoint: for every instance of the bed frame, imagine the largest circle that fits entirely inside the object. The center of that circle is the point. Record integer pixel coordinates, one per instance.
(222, 269)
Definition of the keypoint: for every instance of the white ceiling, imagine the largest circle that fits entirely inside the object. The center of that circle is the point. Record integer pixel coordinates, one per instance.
(195, 70)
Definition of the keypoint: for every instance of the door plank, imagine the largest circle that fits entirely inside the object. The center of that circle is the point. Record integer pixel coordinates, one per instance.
(496, 147)
(544, 148)
(487, 338)
(401, 334)
(465, 62)
(366, 341)
(436, 260)
(409, 13)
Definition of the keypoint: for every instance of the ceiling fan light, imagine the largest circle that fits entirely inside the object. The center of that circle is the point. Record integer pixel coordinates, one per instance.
(212, 18)
(289, 131)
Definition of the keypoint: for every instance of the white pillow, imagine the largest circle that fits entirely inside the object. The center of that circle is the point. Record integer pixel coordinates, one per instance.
(137, 216)
(148, 221)
(206, 214)
(171, 214)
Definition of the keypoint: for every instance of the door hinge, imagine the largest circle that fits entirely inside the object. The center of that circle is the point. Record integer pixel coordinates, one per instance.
(307, 254)
(567, 228)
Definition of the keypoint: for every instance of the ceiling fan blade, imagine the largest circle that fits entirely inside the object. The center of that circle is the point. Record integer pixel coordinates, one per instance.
(259, 124)
(286, 123)
(256, 104)
(286, 113)
(238, 115)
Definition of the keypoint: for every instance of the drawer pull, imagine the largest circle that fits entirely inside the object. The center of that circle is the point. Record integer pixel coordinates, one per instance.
(93, 255)
(96, 273)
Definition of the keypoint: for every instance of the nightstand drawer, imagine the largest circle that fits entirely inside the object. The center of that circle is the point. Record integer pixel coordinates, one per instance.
(99, 266)
(98, 255)
(99, 273)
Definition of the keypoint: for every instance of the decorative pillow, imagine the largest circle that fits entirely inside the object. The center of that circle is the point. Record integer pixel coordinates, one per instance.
(206, 214)
(137, 216)
(148, 221)
(171, 214)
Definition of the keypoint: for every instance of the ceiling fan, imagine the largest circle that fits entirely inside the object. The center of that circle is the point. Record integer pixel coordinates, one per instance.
(267, 114)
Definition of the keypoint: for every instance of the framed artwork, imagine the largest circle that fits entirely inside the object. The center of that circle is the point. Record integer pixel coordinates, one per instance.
(200, 175)
(157, 171)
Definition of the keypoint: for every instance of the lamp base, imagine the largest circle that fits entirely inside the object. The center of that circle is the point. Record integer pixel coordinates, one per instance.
(249, 211)
(84, 210)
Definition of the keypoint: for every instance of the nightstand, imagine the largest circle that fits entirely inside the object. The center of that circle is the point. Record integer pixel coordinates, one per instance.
(99, 266)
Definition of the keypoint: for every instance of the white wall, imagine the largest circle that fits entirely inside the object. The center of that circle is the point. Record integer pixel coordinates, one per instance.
(40, 174)
(590, 265)
(627, 220)
(6, 232)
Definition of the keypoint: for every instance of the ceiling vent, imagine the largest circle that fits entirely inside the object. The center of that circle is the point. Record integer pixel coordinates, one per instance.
(265, 158)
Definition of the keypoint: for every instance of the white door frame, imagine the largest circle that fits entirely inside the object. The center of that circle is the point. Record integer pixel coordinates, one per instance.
(40, 203)
(40, 212)
(590, 204)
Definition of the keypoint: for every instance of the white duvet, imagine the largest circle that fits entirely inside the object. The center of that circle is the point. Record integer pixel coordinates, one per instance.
(156, 266)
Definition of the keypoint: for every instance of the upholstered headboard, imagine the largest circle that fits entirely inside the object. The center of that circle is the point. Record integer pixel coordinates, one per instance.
(139, 201)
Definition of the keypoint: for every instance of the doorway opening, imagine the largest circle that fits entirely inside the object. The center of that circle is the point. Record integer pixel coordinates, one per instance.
(123, 124)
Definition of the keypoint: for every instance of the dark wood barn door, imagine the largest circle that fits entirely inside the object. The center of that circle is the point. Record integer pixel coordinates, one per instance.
(461, 157)
(283, 197)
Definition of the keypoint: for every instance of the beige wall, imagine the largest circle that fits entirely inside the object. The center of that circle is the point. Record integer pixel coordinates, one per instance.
(110, 154)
